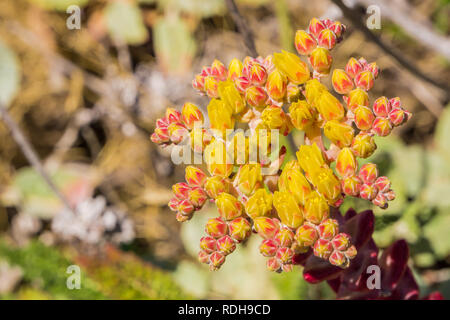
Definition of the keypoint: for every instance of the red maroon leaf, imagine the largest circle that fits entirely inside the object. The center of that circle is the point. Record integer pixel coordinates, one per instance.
(360, 228)
(317, 270)
(407, 288)
(436, 295)
(350, 214)
(393, 264)
(301, 257)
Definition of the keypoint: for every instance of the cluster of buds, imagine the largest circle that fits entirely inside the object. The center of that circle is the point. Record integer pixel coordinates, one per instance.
(289, 207)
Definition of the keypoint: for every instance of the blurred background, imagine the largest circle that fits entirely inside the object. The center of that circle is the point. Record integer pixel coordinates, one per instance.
(87, 99)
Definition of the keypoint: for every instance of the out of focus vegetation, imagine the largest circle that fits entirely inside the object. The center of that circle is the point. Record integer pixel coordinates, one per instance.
(87, 100)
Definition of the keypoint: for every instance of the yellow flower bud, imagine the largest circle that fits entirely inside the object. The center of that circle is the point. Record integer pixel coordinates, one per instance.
(304, 42)
(341, 134)
(342, 83)
(190, 114)
(220, 116)
(235, 69)
(239, 148)
(346, 163)
(313, 91)
(276, 85)
(293, 181)
(259, 204)
(363, 145)
(356, 98)
(316, 208)
(327, 184)
(231, 96)
(302, 114)
(216, 185)
(329, 107)
(310, 158)
(292, 66)
(275, 118)
(218, 161)
(249, 178)
(288, 210)
(211, 87)
(321, 60)
(195, 176)
(229, 207)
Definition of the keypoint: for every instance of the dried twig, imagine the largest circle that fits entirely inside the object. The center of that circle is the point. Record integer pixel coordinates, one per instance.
(355, 17)
(31, 154)
(242, 26)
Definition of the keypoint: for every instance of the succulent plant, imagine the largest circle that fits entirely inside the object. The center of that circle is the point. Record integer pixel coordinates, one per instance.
(289, 208)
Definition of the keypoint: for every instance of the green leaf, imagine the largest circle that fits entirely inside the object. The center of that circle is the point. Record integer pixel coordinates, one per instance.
(124, 22)
(59, 5)
(438, 180)
(174, 45)
(442, 134)
(199, 8)
(436, 231)
(9, 75)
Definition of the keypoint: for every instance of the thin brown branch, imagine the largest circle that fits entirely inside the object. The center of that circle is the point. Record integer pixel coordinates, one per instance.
(356, 18)
(31, 154)
(242, 26)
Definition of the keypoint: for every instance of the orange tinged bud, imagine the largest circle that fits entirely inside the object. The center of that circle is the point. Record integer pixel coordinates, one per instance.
(292, 67)
(382, 107)
(327, 184)
(368, 191)
(284, 237)
(197, 196)
(218, 70)
(256, 96)
(292, 92)
(316, 208)
(304, 42)
(216, 185)
(185, 208)
(356, 98)
(302, 114)
(340, 133)
(351, 185)
(328, 229)
(323, 248)
(398, 116)
(229, 207)
(321, 60)
(338, 258)
(235, 69)
(351, 252)
(216, 260)
(173, 204)
(364, 118)
(341, 241)
(199, 139)
(211, 87)
(315, 27)
(346, 164)
(338, 28)
(380, 201)
(239, 229)
(285, 255)
(353, 67)
(329, 107)
(327, 39)
(288, 209)
(368, 173)
(257, 74)
(191, 114)
(363, 145)
(273, 264)
(381, 127)
(208, 244)
(181, 190)
(226, 245)
(203, 257)
(195, 176)
(259, 204)
(268, 248)
(306, 235)
(276, 85)
(342, 83)
(364, 80)
(242, 83)
(183, 218)
(177, 132)
(383, 184)
(266, 227)
(216, 227)
(173, 115)
(199, 83)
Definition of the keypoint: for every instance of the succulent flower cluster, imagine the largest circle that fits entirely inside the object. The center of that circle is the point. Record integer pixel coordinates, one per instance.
(289, 207)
